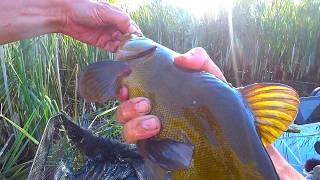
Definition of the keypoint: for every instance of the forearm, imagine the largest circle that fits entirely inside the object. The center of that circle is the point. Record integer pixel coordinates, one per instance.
(283, 168)
(21, 19)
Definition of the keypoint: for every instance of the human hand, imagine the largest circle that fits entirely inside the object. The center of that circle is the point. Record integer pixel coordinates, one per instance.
(133, 113)
(97, 23)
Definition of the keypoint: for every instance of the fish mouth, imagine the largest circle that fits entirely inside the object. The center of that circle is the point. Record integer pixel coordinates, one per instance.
(127, 37)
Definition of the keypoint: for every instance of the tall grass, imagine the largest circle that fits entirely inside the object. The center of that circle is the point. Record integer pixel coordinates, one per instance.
(34, 91)
(273, 41)
(277, 41)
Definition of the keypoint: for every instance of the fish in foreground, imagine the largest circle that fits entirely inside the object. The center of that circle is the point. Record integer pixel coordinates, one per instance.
(209, 130)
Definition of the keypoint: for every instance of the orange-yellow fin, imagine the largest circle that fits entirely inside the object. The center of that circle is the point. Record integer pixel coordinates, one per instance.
(274, 106)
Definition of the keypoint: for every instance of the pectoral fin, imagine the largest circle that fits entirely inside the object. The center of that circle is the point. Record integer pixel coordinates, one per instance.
(101, 81)
(153, 171)
(167, 153)
(275, 107)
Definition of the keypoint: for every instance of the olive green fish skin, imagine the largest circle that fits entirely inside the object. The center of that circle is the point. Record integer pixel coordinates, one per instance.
(198, 108)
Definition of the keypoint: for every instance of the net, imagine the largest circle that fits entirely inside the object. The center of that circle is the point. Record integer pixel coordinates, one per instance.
(67, 151)
(297, 148)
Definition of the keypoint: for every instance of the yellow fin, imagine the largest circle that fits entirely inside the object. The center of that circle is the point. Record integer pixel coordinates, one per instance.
(274, 106)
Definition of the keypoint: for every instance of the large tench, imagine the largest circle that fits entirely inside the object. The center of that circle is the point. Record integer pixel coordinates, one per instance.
(209, 129)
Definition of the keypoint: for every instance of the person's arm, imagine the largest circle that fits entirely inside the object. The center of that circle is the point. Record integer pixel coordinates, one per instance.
(283, 168)
(20, 19)
(92, 22)
(138, 125)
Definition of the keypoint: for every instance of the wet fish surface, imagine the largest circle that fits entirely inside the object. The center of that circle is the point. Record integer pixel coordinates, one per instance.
(209, 129)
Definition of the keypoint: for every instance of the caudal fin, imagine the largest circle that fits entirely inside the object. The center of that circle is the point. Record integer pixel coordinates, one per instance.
(274, 106)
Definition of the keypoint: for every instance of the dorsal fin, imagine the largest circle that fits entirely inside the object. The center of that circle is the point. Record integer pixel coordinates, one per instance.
(274, 106)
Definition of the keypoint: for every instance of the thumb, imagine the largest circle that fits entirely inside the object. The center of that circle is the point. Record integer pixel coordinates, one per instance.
(198, 59)
(194, 59)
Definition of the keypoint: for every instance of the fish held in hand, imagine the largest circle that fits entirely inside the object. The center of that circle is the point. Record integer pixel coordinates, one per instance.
(209, 130)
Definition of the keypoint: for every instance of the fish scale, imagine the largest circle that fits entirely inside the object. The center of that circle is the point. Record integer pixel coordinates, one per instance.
(209, 129)
(207, 162)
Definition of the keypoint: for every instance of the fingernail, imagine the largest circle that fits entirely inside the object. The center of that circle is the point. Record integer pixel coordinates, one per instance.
(121, 91)
(142, 106)
(149, 124)
(116, 35)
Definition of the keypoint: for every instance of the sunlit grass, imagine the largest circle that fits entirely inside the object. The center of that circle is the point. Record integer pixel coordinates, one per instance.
(32, 95)
(272, 41)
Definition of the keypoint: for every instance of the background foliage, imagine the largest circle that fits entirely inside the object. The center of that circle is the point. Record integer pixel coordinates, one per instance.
(275, 40)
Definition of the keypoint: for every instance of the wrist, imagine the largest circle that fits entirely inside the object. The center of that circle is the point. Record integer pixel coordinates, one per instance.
(23, 19)
(54, 12)
(45, 16)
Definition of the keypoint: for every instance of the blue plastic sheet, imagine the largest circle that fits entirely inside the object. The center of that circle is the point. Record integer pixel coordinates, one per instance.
(297, 148)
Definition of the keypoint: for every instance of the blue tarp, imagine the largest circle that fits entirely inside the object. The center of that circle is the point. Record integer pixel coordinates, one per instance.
(299, 147)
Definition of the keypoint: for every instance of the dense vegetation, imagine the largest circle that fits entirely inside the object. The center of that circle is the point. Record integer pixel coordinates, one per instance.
(272, 41)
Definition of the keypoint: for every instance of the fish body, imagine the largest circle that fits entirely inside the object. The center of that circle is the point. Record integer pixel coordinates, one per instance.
(208, 128)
